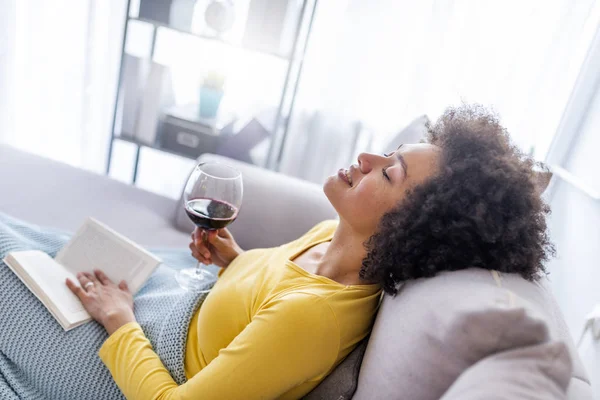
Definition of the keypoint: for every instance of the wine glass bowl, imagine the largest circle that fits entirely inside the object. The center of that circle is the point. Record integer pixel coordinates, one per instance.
(211, 198)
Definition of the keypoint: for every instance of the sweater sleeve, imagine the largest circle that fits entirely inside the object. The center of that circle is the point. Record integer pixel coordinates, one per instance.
(294, 339)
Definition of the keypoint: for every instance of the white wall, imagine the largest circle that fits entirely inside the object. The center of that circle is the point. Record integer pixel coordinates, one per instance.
(575, 229)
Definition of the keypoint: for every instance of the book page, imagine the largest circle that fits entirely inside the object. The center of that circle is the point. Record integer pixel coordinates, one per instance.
(46, 279)
(95, 246)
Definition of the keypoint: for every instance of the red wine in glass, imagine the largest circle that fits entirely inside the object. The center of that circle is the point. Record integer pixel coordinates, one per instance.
(210, 213)
(212, 198)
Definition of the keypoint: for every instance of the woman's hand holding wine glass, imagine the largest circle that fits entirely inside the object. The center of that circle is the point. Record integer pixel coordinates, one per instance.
(212, 198)
(214, 247)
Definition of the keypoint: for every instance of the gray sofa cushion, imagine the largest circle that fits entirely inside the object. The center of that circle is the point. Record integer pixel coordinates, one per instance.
(341, 383)
(436, 328)
(539, 372)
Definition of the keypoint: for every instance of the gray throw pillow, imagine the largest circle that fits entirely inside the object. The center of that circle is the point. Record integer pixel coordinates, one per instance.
(436, 328)
(412, 133)
(541, 372)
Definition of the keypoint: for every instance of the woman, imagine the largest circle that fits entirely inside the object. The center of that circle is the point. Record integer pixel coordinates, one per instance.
(279, 320)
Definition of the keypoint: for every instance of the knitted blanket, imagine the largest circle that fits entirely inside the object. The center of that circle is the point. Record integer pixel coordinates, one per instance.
(39, 360)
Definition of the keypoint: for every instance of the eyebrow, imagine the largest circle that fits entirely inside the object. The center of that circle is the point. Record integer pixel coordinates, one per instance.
(402, 160)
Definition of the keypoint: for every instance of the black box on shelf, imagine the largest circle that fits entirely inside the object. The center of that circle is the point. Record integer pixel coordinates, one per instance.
(187, 137)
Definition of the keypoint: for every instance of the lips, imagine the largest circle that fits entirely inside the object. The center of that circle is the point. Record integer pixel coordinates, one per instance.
(345, 175)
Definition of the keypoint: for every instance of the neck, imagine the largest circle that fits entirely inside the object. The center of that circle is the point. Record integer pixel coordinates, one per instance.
(343, 257)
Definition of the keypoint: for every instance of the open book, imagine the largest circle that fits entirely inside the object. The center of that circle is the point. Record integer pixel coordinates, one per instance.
(94, 246)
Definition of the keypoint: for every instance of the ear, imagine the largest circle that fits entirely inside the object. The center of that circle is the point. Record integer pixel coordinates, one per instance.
(541, 180)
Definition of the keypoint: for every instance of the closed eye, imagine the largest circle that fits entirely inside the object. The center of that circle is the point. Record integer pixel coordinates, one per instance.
(386, 176)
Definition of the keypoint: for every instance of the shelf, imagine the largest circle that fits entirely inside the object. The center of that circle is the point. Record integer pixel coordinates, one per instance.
(157, 24)
(146, 38)
(152, 146)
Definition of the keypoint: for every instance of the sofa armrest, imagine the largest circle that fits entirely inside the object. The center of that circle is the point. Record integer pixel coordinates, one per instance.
(276, 208)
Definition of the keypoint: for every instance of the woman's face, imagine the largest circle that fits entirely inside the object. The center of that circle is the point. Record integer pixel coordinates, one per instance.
(363, 193)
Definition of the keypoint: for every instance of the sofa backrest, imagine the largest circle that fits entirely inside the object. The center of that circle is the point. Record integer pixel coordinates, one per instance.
(71, 195)
(436, 328)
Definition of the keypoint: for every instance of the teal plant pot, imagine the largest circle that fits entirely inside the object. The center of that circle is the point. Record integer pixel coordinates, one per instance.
(210, 100)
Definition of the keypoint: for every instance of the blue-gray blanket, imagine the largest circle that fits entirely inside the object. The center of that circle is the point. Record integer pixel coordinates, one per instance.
(39, 360)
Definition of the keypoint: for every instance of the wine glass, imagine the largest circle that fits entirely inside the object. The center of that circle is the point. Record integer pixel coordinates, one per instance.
(212, 198)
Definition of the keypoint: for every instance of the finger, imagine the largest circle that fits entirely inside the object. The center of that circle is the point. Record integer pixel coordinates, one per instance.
(83, 279)
(205, 260)
(212, 235)
(123, 286)
(198, 253)
(199, 241)
(200, 257)
(195, 253)
(198, 235)
(224, 233)
(77, 290)
(201, 249)
(86, 283)
(215, 239)
(105, 280)
(91, 277)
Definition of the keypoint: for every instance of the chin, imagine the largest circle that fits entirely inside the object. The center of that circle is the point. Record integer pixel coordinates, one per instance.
(331, 189)
(328, 187)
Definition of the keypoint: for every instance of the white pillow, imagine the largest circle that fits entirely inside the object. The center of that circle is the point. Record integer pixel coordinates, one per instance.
(412, 133)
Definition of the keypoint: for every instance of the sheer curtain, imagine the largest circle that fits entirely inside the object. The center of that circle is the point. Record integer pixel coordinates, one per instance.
(7, 50)
(58, 77)
(382, 64)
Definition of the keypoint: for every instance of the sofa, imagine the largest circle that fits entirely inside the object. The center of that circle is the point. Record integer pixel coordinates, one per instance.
(469, 334)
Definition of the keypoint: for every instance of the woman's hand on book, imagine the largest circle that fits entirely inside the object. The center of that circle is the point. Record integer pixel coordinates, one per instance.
(108, 303)
(214, 247)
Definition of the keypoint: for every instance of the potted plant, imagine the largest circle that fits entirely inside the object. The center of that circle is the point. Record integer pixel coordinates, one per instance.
(211, 93)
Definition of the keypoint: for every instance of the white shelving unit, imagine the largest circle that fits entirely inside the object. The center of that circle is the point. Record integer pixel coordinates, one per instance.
(291, 58)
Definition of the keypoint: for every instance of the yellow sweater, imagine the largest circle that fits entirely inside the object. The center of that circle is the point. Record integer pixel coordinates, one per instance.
(268, 329)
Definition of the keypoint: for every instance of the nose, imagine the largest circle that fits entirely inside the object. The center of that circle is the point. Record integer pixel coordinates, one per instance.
(367, 161)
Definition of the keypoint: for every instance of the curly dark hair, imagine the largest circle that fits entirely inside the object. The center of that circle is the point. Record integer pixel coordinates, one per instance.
(481, 209)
